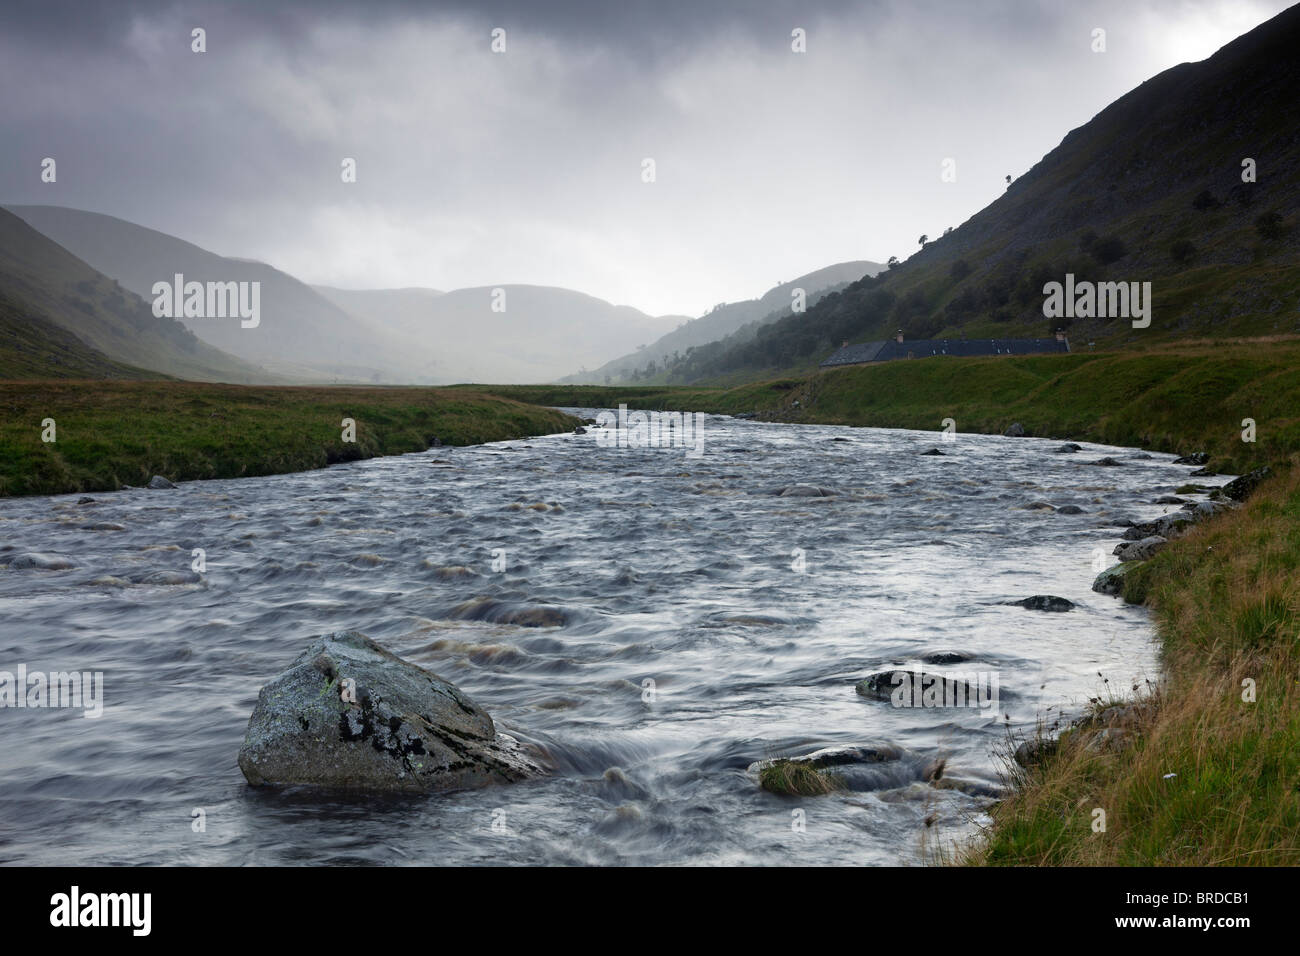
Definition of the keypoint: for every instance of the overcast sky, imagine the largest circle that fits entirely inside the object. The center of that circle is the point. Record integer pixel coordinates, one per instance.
(482, 168)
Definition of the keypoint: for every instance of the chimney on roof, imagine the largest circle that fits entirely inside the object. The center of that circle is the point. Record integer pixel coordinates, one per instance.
(898, 336)
(1060, 335)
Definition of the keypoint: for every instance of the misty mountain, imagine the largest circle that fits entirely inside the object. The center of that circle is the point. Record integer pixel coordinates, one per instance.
(539, 334)
(1156, 188)
(300, 335)
(728, 318)
(62, 319)
(412, 335)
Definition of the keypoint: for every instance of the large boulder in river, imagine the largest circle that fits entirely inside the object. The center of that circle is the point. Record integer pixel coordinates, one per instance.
(349, 714)
(1017, 430)
(159, 483)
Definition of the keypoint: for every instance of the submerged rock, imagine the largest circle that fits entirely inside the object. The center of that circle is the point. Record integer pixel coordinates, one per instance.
(947, 657)
(34, 561)
(806, 491)
(932, 451)
(1069, 448)
(914, 688)
(1107, 462)
(349, 714)
(1196, 458)
(860, 769)
(1043, 602)
(167, 578)
(1070, 510)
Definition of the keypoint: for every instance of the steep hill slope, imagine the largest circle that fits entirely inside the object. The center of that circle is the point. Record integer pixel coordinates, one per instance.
(300, 334)
(33, 346)
(64, 319)
(1150, 190)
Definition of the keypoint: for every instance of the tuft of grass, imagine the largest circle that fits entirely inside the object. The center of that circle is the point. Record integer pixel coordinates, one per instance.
(797, 778)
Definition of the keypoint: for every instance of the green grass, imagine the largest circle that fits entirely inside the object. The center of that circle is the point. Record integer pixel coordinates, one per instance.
(792, 778)
(111, 434)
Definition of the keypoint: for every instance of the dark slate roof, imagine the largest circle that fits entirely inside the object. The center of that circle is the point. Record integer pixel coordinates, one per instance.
(855, 354)
(922, 348)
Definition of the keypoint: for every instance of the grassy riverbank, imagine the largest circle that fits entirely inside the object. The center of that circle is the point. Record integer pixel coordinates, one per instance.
(1208, 776)
(113, 433)
(1226, 597)
(1191, 398)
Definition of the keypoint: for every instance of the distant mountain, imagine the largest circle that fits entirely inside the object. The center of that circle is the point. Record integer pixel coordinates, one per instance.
(59, 318)
(415, 336)
(541, 333)
(1152, 189)
(300, 335)
(725, 320)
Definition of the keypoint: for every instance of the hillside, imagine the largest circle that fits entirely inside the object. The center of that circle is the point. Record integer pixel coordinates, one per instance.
(323, 334)
(1150, 190)
(300, 335)
(725, 320)
(61, 319)
(33, 346)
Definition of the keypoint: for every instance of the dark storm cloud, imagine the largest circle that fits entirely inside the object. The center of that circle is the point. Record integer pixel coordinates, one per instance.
(476, 168)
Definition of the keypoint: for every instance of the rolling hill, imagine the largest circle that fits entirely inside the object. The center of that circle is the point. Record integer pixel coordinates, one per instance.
(1152, 189)
(542, 333)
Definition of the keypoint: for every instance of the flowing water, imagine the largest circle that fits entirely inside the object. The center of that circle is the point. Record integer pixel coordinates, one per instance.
(700, 623)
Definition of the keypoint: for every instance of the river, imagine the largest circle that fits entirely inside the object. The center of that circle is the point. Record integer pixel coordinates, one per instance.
(704, 624)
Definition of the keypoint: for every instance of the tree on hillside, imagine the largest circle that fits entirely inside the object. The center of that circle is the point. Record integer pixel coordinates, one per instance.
(923, 240)
(893, 261)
